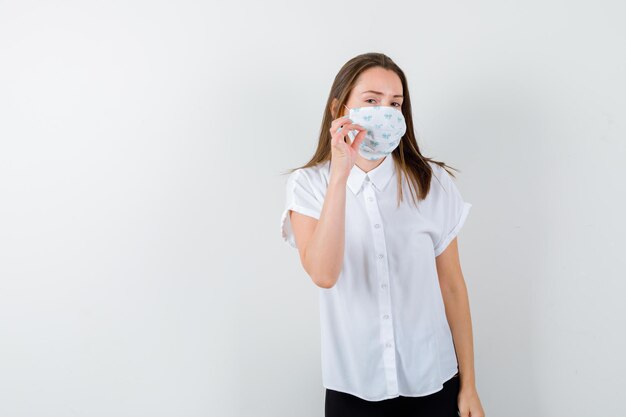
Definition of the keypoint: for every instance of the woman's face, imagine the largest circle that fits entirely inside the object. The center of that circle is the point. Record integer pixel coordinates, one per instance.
(376, 86)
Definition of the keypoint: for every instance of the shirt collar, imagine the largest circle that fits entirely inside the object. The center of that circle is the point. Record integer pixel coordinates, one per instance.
(379, 176)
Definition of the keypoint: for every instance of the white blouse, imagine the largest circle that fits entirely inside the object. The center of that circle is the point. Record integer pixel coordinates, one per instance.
(384, 330)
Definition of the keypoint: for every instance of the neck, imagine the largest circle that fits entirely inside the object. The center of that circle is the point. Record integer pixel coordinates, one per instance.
(366, 165)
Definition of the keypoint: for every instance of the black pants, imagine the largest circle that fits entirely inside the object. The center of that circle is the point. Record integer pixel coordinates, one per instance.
(442, 403)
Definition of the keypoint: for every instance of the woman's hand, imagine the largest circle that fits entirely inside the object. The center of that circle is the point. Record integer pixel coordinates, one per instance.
(469, 403)
(343, 155)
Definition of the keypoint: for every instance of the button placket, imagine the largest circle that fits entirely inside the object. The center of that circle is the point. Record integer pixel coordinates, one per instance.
(384, 299)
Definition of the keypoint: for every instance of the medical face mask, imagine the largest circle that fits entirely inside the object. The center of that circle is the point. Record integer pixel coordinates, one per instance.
(385, 127)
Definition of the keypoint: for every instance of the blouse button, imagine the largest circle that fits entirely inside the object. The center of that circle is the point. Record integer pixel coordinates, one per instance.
(386, 316)
(370, 198)
(380, 256)
(388, 344)
(377, 225)
(383, 285)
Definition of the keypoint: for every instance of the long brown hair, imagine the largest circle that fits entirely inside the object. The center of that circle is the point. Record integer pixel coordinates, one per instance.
(407, 157)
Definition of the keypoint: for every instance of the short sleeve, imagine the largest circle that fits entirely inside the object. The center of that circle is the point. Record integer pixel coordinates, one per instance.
(299, 196)
(453, 211)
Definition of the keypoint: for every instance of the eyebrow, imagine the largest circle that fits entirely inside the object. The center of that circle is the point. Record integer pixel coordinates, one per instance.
(379, 93)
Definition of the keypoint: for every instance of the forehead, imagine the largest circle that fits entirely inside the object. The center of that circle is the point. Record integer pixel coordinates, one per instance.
(378, 79)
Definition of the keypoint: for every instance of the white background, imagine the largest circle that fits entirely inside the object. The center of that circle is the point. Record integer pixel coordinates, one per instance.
(142, 143)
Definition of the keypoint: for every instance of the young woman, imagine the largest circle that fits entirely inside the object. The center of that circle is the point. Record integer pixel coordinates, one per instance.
(395, 318)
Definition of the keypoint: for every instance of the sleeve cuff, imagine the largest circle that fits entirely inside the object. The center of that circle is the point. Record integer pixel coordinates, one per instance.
(285, 222)
(444, 243)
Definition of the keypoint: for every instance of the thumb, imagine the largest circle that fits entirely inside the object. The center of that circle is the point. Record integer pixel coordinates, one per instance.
(358, 139)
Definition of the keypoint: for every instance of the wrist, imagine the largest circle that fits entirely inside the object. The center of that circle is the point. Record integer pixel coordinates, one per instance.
(468, 384)
(337, 180)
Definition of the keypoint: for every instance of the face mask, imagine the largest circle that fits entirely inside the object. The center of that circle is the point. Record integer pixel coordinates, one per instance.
(385, 127)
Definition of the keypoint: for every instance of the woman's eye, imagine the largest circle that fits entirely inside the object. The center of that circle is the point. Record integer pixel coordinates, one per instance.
(398, 104)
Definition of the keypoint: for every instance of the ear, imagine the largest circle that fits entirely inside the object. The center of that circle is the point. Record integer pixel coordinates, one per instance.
(333, 106)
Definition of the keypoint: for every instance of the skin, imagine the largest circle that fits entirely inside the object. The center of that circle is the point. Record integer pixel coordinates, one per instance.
(321, 247)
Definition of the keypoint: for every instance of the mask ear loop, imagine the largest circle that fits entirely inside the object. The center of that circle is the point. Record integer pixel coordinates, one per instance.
(347, 115)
